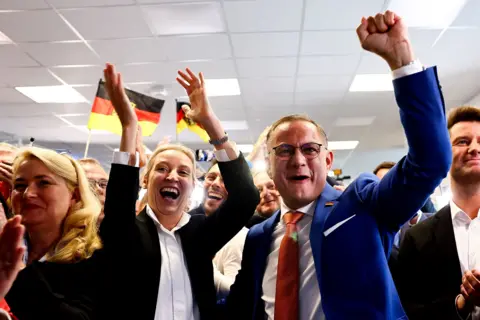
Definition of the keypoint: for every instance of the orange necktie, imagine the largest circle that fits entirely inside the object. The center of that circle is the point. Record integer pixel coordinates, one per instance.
(288, 274)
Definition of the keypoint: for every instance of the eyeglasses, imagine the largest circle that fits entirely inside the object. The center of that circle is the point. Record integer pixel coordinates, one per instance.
(102, 184)
(309, 150)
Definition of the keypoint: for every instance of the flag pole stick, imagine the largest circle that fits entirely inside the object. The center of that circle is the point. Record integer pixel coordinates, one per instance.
(176, 111)
(88, 143)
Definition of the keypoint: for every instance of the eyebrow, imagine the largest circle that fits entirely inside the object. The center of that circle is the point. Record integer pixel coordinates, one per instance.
(38, 177)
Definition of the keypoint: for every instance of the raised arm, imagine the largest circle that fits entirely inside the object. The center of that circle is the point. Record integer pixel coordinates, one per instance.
(243, 196)
(123, 185)
(406, 187)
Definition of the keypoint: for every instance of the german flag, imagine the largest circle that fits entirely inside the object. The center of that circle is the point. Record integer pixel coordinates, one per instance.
(104, 117)
(185, 123)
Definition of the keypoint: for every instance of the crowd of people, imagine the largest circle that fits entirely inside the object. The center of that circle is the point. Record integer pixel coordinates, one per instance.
(286, 243)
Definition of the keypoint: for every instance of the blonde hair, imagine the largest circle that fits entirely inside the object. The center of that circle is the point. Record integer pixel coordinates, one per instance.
(79, 238)
(90, 161)
(8, 147)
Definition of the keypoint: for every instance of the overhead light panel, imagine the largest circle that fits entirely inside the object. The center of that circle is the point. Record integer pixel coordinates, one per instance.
(353, 121)
(342, 145)
(372, 82)
(52, 94)
(222, 87)
(434, 14)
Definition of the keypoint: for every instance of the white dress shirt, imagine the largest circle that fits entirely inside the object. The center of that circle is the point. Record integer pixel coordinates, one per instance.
(467, 239)
(175, 299)
(309, 292)
(227, 262)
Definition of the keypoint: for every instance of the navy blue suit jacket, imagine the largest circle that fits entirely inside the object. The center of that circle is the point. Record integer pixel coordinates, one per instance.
(351, 240)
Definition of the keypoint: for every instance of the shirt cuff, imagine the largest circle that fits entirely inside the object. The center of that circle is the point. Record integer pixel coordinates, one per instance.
(407, 70)
(121, 157)
(225, 155)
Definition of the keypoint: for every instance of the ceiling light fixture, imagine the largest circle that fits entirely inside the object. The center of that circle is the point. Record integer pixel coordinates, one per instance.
(52, 94)
(371, 82)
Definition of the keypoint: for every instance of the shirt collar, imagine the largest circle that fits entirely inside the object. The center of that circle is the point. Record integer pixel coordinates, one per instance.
(458, 214)
(183, 220)
(309, 209)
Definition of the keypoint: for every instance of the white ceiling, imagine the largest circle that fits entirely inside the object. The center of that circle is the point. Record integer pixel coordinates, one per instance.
(288, 55)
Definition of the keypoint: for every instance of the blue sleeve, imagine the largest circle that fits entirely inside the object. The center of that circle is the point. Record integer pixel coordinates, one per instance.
(406, 187)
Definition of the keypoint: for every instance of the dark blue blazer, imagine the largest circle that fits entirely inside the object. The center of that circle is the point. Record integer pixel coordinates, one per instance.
(351, 239)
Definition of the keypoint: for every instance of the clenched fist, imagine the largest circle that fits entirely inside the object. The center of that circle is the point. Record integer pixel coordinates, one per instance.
(387, 36)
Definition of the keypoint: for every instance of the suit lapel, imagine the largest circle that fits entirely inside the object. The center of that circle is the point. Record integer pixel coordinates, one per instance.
(150, 241)
(445, 239)
(326, 202)
(264, 242)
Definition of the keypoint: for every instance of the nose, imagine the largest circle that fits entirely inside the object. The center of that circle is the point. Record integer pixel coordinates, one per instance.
(474, 147)
(217, 182)
(298, 159)
(30, 192)
(173, 175)
(100, 190)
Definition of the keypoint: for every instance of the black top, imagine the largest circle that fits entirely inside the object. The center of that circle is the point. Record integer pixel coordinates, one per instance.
(134, 251)
(428, 273)
(45, 290)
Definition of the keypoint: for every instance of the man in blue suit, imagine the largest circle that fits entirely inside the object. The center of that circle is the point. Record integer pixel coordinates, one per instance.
(333, 263)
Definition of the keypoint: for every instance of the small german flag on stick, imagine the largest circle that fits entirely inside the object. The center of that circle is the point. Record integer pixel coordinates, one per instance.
(185, 123)
(104, 117)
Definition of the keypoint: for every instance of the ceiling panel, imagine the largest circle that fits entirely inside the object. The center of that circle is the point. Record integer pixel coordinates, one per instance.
(122, 22)
(54, 54)
(10, 95)
(316, 83)
(88, 3)
(36, 109)
(265, 44)
(328, 15)
(347, 133)
(468, 17)
(47, 121)
(371, 63)
(43, 25)
(169, 19)
(170, 1)
(267, 85)
(266, 67)
(319, 98)
(263, 15)
(195, 47)
(258, 101)
(330, 43)
(79, 75)
(19, 77)
(143, 50)
(328, 65)
(13, 56)
(23, 5)
(88, 92)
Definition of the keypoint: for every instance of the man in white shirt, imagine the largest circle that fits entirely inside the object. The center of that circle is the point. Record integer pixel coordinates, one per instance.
(438, 270)
(324, 254)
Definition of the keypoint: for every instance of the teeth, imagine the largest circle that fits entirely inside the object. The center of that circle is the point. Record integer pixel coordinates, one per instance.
(215, 195)
(173, 190)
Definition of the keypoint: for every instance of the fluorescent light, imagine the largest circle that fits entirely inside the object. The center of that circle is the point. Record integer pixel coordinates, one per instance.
(372, 82)
(222, 87)
(235, 125)
(4, 39)
(435, 14)
(52, 94)
(353, 121)
(245, 148)
(342, 145)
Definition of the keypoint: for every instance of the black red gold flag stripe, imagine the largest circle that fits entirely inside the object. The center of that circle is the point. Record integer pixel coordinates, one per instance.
(185, 123)
(104, 117)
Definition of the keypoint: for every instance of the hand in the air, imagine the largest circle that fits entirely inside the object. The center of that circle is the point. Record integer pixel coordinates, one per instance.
(6, 172)
(11, 253)
(195, 88)
(116, 92)
(387, 36)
